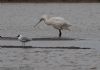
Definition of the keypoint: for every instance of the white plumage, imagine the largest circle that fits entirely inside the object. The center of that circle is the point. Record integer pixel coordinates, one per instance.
(23, 39)
(58, 23)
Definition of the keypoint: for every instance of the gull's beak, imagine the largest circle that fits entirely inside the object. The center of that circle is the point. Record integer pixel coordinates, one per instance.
(38, 22)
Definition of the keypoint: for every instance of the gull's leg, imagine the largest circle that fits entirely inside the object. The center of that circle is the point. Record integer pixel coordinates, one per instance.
(23, 43)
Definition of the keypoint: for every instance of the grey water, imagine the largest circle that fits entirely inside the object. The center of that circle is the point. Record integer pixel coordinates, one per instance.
(20, 19)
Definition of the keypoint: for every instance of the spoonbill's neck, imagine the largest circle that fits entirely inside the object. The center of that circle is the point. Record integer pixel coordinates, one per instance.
(46, 19)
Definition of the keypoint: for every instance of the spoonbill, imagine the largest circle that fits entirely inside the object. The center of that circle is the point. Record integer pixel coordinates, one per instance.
(23, 39)
(58, 23)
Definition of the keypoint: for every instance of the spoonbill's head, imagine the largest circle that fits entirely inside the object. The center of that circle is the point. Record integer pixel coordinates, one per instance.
(43, 18)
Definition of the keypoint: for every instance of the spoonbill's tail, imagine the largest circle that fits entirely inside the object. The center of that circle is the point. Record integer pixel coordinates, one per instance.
(66, 27)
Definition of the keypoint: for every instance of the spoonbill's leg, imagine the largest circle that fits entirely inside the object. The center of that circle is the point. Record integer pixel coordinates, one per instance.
(60, 33)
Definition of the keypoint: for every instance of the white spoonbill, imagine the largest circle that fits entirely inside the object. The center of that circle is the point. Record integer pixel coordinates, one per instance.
(58, 23)
(23, 39)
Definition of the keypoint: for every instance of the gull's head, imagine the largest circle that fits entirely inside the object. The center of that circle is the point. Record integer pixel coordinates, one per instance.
(19, 35)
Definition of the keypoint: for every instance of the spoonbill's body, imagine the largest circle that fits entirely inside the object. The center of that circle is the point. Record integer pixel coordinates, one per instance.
(58, 23)
(23, 39)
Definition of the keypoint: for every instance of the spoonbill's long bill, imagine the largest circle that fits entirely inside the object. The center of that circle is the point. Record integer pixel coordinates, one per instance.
(23, 39)
(58, 23)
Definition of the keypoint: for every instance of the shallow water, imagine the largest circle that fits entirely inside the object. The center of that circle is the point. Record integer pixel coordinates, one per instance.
(43, 59)
(20, 19)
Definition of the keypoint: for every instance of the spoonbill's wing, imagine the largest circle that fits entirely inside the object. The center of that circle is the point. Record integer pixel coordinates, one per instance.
(57, 19)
